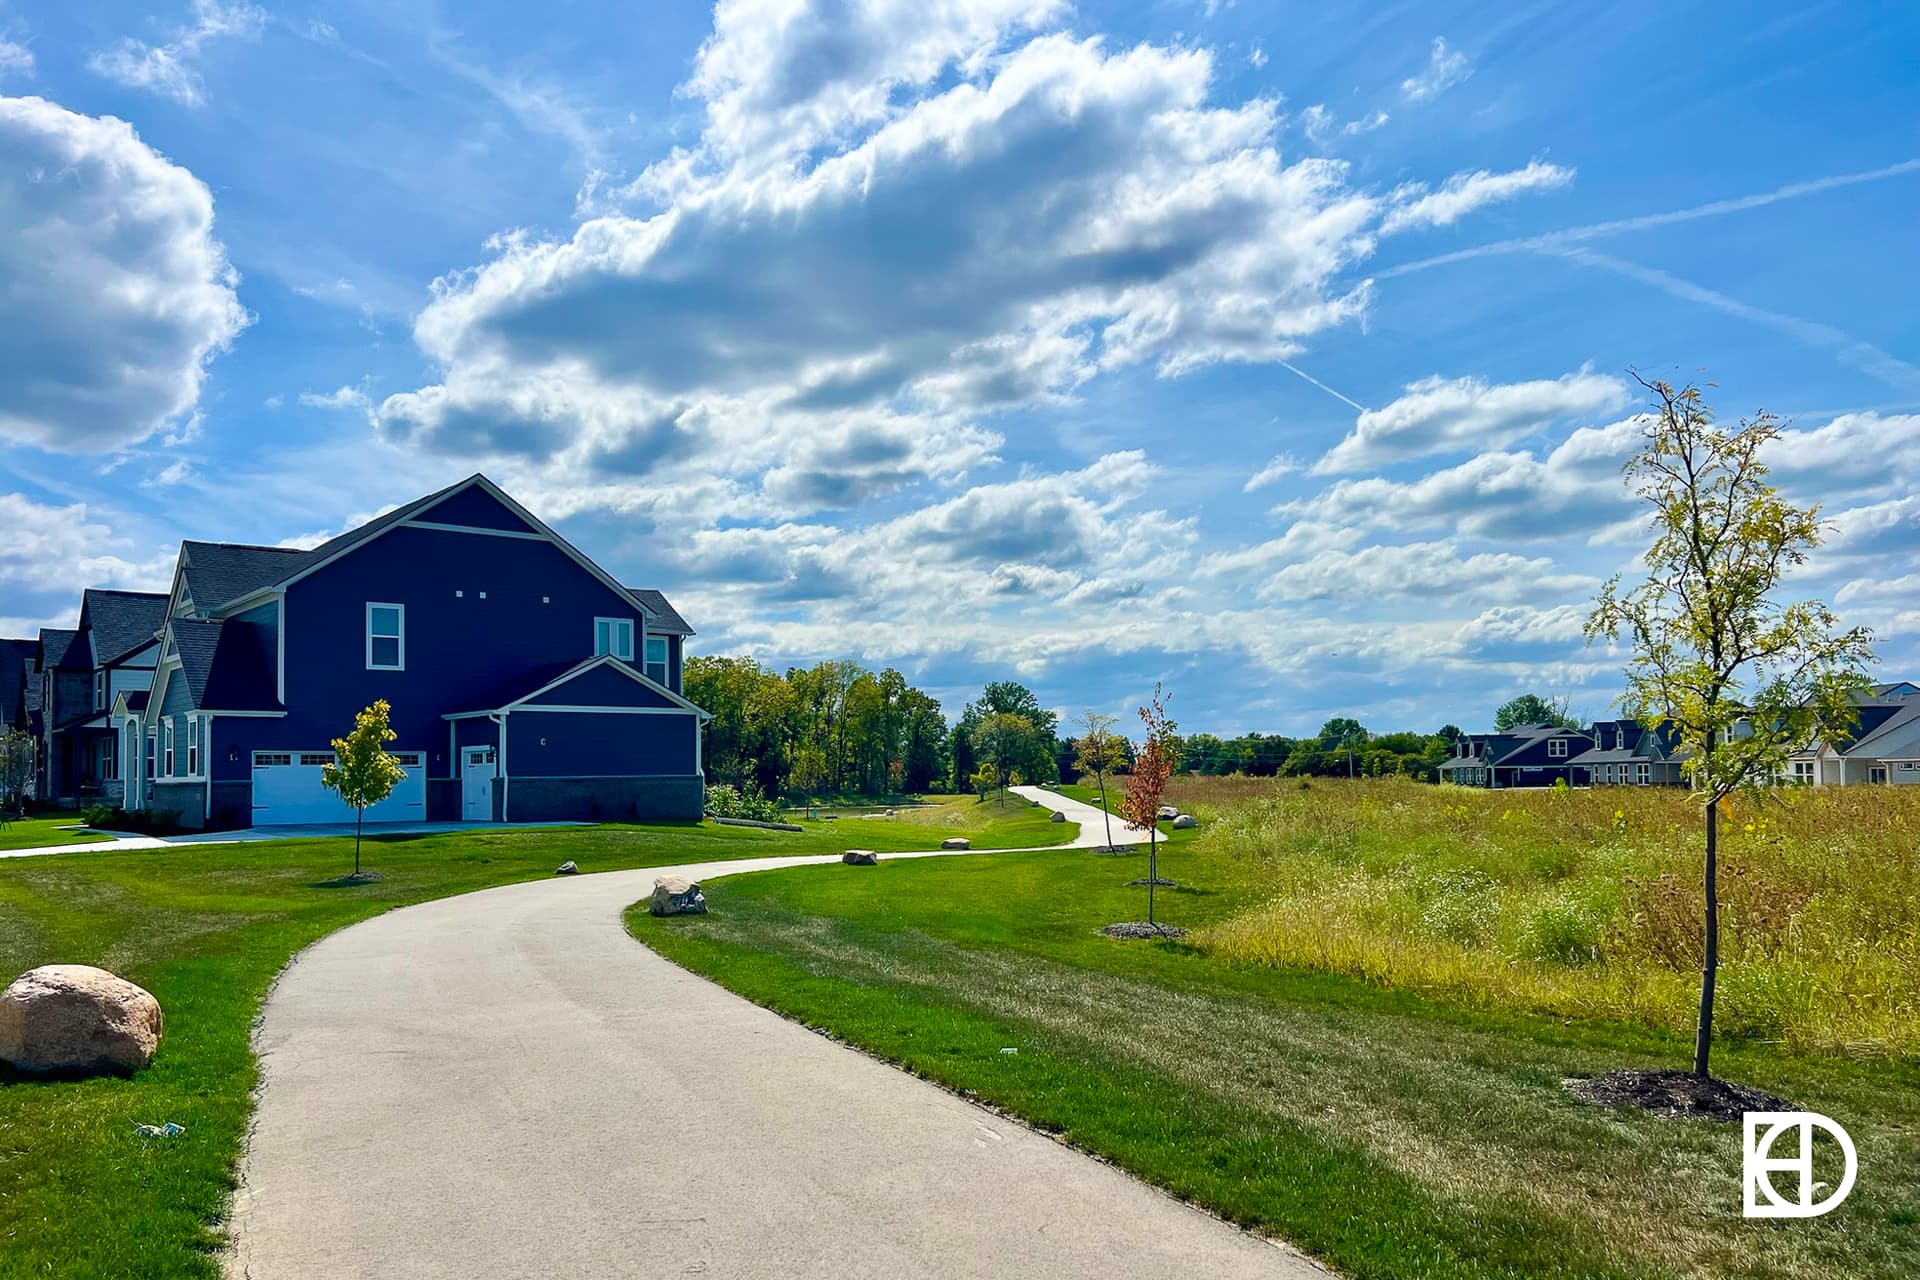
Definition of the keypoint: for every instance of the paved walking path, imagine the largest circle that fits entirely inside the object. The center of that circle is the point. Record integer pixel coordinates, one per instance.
(505, 1084)
(124, 842)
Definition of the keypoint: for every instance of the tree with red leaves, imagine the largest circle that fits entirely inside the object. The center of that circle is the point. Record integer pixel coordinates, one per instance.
(1152, 766)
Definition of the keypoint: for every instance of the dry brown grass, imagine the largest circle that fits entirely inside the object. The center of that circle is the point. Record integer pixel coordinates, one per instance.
(1586, 903)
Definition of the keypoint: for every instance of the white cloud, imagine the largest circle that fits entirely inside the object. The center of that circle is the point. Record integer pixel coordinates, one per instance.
(168, 69)
(1062, 211)
(1439, 415)
(15, 59)
(1415, 206)
(1257, 56)
(117, 293)
(1445, 68)
(1277, 468)
(1320, 124)
(1369, 576)
(51, 551)
(346, 397)
(1509, 496)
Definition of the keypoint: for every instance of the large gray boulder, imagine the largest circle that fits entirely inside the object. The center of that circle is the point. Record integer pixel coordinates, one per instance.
(1168, 813)
(956, 842)
(1185, 822)
(860, 858)
(677, 896)
(567, 868)
(76, 1018)
(1056, 816)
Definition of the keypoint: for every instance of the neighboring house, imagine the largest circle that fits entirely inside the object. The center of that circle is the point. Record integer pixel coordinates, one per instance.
(526, 684)
(65, 698)
(1628, 754)
(1527, 755)
(16, 663)
(115, 646)
(17, 669)
(1883, 747)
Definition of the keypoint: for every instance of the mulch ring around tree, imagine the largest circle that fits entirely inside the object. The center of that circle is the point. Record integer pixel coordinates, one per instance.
(1163, 882)
(1675, 1094)
(1136, 930)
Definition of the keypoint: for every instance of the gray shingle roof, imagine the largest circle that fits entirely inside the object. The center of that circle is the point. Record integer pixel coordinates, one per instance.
(218, 572)
(662, 617)
(57, 650)
(120, 621)
(224, 665)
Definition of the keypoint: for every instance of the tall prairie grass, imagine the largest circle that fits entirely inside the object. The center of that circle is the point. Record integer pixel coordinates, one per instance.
(1586, 903)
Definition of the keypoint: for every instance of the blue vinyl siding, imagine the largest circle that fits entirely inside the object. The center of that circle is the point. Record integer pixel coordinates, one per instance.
(477, 508)
(538, 614)
(603, 687)
(585, 744)
(267, 619)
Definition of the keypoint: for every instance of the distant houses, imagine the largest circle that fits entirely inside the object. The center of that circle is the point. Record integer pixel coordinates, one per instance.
(1882, 749)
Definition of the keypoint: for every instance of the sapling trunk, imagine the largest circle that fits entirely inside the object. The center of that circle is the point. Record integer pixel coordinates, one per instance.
(1710, 965)
(1106, 818)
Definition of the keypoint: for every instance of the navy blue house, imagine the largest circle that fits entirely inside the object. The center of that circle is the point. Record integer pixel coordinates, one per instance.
(526, 683)
(1527, 755)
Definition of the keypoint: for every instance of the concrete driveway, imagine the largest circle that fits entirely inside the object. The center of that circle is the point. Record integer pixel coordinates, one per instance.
(505, 1084)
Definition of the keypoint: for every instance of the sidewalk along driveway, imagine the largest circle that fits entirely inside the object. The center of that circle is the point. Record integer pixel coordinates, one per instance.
(506, 1084)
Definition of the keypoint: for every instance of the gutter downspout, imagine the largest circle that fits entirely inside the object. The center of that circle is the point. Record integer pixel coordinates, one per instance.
(500, 718)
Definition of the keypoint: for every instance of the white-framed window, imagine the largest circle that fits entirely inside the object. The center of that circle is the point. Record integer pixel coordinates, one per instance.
(1644, 774)
(153, 751)
(657, 659)
(614, 636)
(193, 746)
(386, 637)
(166, 747)
(1557, 748)
(1803, 771)
(100, 690)
(268, 759)
(311, 758)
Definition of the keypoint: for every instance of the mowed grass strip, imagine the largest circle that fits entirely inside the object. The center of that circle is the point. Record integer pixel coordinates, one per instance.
(1388, 1133)
(206, 928)
(42, 833)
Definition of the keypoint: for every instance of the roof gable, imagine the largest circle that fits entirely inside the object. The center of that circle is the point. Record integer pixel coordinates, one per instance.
(472, 507)
(120, 622)
(662, 618)
(607, 685)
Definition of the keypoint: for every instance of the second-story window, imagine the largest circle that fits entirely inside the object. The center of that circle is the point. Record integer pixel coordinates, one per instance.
(657, 659)
(614, 636)
(1557, 748)
(99, 690)
(386, 637)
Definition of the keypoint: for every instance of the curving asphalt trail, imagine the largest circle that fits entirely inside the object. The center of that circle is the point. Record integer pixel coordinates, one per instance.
(505, 1084)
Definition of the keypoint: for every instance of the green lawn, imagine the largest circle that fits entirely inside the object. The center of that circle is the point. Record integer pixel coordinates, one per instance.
(206, 928)
(1389, 1133)
(41, 833)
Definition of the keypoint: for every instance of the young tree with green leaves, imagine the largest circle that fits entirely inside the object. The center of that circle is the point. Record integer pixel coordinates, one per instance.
(1742, 679)
(1098, 752)
(17, 754)
(1152, 766)
(1531, 708)
(1010, 743)
(363, 772)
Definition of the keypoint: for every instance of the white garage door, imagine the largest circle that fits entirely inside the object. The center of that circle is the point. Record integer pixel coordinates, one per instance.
(286, 789)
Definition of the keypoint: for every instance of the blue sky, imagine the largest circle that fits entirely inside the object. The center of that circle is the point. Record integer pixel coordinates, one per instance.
(1275, 351)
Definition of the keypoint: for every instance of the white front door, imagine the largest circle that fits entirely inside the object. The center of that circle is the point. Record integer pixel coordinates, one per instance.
(476, 784)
